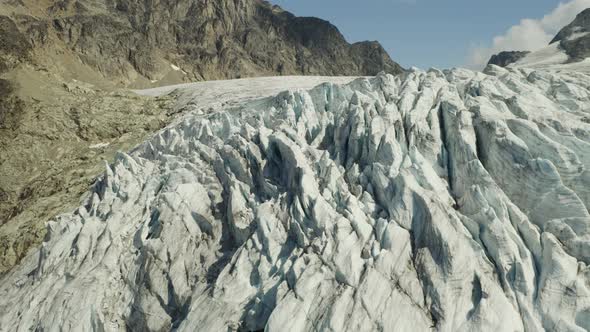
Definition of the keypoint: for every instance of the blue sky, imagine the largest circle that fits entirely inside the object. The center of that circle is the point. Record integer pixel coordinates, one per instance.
(436, 33)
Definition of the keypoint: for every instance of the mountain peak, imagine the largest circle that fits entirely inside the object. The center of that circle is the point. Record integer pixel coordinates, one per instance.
(579, 25)
(574, 38)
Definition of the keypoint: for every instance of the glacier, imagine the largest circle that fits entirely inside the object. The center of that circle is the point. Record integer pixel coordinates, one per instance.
(441, 200)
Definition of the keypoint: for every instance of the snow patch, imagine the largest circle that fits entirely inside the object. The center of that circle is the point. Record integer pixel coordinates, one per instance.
(176, 68)
(99, 145)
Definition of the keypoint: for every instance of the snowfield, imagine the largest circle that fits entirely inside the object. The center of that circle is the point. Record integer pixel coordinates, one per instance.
(444, 200)
(547, 56)
(553, 58)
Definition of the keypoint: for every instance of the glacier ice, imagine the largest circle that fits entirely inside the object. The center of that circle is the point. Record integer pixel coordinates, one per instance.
(444, 200)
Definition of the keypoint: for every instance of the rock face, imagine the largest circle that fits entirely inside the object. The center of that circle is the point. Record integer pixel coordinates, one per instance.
(14, 49)
(451, 201)
(505, 58)
(144, 42)
(574, 39)
(14, 46)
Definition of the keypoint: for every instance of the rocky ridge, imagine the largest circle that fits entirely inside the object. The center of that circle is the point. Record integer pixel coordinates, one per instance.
(457, 200)
(141, 44)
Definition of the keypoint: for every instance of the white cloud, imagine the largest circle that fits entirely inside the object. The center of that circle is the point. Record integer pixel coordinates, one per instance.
(529, 35)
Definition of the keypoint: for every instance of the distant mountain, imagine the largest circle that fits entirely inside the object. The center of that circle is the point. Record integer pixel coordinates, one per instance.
(505, 58)
(142, 43)
(570, 45)
(574, 39)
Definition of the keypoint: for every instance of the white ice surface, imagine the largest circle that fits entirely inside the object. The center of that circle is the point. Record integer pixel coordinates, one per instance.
(447, 201)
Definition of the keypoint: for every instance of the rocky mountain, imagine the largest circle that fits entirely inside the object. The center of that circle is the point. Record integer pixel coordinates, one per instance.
(140, 43)
(574, 39)
(63, 64)
(442, 200)
(570, 45)
(505, 58)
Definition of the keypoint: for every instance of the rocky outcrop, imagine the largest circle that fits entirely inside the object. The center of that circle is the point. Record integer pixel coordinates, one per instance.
(449, 201)
(14, 45)
(505, 58)
(14, 49)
